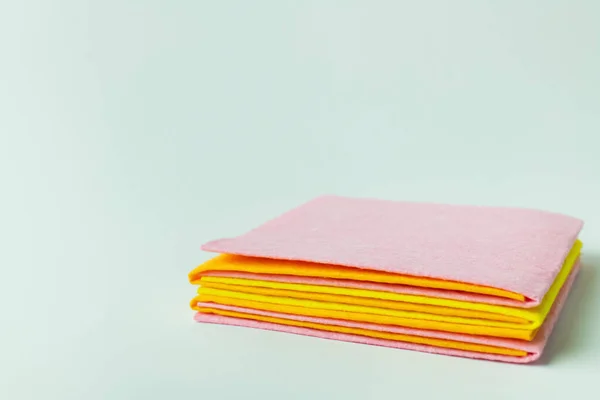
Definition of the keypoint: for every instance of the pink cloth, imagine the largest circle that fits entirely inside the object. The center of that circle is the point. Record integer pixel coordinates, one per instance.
(515, 249)
(533, 348)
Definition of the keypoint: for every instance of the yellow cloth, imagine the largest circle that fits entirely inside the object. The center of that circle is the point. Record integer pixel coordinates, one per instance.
(451, 344)
(349, 313)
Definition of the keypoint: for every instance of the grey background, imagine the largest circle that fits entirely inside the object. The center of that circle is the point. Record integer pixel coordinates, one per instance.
(133, 131)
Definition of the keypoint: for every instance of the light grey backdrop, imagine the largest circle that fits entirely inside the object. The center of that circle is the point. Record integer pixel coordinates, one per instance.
(133, 131)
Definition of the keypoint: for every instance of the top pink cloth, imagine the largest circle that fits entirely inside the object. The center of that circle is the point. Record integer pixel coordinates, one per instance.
(515, 249)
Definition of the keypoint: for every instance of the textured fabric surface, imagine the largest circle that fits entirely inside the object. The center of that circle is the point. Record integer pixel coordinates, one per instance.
(533, 349)
(516, 250)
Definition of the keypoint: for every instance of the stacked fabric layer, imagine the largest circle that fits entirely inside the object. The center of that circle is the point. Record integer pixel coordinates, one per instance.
(481, 282)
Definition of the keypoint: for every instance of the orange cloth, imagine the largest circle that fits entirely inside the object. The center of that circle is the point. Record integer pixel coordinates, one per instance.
(227, 262)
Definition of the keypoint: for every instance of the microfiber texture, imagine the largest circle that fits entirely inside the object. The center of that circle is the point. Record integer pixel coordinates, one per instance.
(533, 349)
(517, 250)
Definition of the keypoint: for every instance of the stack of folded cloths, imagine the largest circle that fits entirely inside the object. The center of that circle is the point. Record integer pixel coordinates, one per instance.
(480, 282)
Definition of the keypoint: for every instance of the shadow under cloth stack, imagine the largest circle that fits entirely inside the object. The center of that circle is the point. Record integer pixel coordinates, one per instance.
(470, 281)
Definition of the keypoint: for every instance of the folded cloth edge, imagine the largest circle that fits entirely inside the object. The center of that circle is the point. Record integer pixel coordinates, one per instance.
(534, 348)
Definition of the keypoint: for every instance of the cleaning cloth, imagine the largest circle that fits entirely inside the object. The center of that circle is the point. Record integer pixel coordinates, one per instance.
(486, 273)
